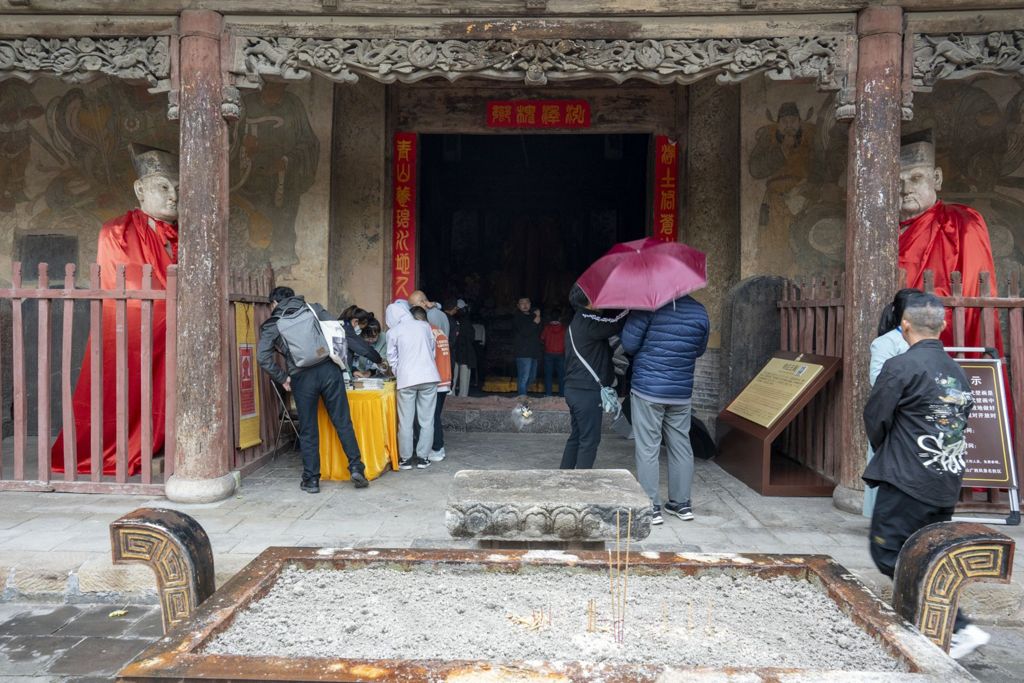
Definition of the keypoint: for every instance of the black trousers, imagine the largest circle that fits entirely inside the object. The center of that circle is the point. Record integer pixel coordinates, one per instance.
(308, 386)
(585, 414)
(438, 442)
(896, 517)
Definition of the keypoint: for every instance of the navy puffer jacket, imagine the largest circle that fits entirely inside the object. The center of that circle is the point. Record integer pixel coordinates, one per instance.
(665, 346)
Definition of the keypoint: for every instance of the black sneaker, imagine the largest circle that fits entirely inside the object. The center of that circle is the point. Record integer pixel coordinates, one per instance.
(681, 510)
(360, 480)
(422, 464)
(310, 486)
(656, 517)
(405, 464)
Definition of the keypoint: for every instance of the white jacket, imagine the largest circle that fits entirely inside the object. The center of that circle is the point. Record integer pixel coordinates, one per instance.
(410, 348)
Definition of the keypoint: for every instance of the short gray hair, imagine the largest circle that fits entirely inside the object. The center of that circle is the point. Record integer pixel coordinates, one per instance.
(926, 313)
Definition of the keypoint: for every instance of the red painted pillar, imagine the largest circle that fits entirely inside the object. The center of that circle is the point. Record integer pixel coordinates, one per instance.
(872, 226)
(204, 435)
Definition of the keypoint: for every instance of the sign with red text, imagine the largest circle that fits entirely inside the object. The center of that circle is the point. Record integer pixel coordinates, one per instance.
(666, 189)
(538, 114)
(403, 235)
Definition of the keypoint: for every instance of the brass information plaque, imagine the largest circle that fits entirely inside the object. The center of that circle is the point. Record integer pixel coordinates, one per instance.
(773, 390)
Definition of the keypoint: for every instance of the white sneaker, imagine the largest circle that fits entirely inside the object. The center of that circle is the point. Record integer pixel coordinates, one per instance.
(967, 640)
(437, 456)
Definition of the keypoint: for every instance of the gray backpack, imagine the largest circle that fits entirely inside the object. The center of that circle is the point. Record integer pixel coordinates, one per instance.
(301, 332)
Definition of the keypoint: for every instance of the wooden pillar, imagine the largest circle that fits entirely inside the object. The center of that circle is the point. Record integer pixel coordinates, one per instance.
(872, 226)
(204, 436)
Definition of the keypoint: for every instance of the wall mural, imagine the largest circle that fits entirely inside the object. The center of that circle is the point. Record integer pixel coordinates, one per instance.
(794, 175)
(65, 167)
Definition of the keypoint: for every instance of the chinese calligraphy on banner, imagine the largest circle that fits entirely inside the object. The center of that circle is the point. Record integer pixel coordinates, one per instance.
(248, 432)
(538, 114)
(403, 242)
(666, 188)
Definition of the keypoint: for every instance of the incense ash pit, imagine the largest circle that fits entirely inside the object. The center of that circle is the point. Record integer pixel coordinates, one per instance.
(439, 612)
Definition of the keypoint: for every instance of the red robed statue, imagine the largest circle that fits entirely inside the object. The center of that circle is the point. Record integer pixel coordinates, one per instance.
(943, 238)
(147, 235)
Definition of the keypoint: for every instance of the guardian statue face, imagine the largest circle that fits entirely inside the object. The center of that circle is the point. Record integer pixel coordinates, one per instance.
(158, 197)
(919, 186)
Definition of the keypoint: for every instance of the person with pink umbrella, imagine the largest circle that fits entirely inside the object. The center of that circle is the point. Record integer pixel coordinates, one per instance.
(665, 333)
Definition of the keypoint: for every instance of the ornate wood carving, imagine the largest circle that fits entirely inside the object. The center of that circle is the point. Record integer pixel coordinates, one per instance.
(824, 59)
(958, 55)
(934, 566)
(178, 551)
(143, 60)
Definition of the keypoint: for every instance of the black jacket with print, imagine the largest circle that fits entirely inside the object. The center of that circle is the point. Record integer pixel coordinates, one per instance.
(915, 419)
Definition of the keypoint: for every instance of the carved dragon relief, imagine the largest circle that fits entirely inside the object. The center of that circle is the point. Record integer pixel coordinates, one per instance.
(823, 59)
(76, 60)
(958, 55)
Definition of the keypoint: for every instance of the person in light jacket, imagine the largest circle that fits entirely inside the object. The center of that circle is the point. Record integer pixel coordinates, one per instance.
(888, 343)
(410, 351)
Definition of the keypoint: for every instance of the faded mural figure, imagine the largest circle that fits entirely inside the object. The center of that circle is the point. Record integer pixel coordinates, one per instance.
(18, 107)
(274, 164)
(783, 154)
(86, 152)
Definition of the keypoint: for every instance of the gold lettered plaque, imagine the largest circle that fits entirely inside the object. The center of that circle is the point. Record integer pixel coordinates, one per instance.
(773, 390)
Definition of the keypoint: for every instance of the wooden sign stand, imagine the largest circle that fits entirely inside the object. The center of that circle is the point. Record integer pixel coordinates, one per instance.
(746, 451)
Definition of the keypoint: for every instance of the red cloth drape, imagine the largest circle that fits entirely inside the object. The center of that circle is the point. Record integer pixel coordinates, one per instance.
(134, 240)
(944, 239)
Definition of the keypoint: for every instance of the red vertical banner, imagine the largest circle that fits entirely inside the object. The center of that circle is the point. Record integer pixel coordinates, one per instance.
(666, 189)
(403, 236)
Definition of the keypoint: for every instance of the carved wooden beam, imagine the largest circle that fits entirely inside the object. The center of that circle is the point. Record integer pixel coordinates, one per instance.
(77, 60)
(823, 59)
(958, 55)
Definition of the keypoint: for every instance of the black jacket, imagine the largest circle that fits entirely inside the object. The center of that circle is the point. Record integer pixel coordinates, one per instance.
(915, 419)
(271, 341)
(526, 341)
(357, 346)
(590, 332)
(461, 340)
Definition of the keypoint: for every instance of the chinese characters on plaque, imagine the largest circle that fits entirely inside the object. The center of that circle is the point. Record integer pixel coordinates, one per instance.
(989, 449)
(666, 188)
(403, 239)
(538, 114)
(779, 383)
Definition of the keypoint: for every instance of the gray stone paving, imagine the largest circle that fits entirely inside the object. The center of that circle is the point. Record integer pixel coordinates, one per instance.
(56, 547)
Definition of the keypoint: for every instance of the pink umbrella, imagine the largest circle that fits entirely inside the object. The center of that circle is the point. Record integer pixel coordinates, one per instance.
(644, 274)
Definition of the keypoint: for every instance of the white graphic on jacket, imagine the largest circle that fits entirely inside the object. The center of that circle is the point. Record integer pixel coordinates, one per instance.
(944, 452)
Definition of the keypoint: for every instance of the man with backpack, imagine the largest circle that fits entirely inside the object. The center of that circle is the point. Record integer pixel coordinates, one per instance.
(293, 330)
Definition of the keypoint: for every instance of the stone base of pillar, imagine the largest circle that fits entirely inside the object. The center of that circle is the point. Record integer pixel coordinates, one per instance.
(848, 500)
(181, 490)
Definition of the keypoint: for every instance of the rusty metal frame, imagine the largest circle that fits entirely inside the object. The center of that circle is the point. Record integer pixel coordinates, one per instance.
(179, 656)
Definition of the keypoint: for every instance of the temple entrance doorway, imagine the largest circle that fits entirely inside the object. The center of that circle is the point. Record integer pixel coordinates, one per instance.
(505, 216)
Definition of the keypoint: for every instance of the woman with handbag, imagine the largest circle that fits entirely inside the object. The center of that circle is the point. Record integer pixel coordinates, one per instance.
(588, 378)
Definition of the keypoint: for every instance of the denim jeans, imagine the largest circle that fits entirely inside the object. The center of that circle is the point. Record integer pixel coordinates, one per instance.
(554, 365)
(526, 372)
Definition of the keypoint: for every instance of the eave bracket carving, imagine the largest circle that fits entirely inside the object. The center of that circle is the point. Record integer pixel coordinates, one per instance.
(823, 59)
(959, 55)
(77, 60)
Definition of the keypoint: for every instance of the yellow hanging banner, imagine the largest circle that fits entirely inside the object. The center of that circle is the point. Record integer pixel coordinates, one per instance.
(248, 399)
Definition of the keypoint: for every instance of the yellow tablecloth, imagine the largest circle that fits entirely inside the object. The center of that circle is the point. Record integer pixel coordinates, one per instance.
(373, 417)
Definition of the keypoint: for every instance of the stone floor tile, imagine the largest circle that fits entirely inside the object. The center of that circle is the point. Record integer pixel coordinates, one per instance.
(29, 655)
(96, 621)
(97, 656)
(149, 626)
(39, 620)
